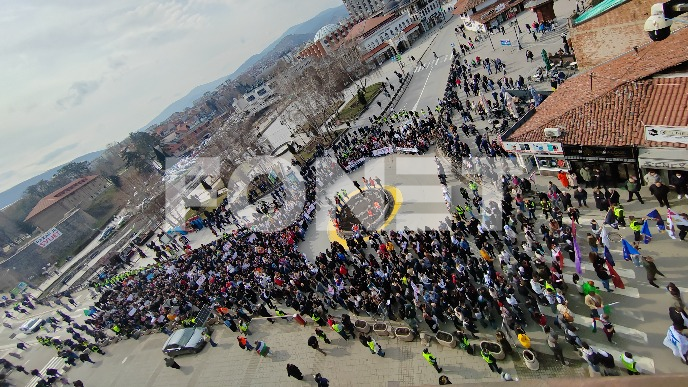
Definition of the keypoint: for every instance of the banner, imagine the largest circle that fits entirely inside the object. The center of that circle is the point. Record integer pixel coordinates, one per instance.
(383, 151)
(645, 232)
(408, 150)
(352, 165)
(628, 250)
(48, 237)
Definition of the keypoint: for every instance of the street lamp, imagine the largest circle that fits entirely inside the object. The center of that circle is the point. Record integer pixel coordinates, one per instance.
(517, 40)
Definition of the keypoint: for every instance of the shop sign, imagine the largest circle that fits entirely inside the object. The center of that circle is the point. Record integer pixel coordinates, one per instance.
(500, 7)
(548, 148)
(662, 164)
(599, 153)
(659, 133)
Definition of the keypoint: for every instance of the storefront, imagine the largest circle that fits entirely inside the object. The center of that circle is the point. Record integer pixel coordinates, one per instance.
(616, 164)
(666, 161)
(499, 13)
(547, 157)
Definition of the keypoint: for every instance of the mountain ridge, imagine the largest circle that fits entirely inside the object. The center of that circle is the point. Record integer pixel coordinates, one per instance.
(310, 26)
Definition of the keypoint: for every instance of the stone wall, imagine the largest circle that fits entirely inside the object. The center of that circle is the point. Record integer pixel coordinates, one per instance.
(26, 265)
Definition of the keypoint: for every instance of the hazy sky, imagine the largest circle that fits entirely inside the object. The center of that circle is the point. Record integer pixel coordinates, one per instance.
(79, 74)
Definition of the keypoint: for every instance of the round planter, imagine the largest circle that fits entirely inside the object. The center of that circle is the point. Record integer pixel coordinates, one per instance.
(531, 361)
(404, 334)
(446, 339)
(362, 326)
(494, 348)
(381, 329)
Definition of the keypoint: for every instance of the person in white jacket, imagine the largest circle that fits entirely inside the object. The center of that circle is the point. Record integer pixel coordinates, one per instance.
(677, 343)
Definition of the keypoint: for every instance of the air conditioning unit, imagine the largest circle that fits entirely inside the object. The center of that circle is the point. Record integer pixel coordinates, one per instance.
(552, 132)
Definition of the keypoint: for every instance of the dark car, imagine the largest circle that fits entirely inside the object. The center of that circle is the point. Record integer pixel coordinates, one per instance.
(185, 340)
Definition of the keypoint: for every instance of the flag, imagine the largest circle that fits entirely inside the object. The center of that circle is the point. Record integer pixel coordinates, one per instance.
(670, 229)
(628, 250)
(645, 231)
(576, 249)
(608, 256)
(604, 237)
(654, 214)
(616, 279)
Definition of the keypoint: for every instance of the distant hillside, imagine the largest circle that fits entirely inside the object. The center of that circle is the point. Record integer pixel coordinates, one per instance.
(13, 194)
(300, 32)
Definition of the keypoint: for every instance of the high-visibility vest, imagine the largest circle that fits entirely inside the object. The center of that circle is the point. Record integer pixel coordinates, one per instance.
(464, 342)
(371, 344)
(549, 286)
(472, 186)
(431, 359)
(487, 357)
(279, 312)
(116, 329)
(336, 327)
(628, 363)
(459, 210)
(315, 317)
(635, 225)
(618, 212)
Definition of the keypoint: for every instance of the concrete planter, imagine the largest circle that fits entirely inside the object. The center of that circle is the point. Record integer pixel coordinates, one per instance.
(381, 329)
(362, 326)
(494, 348)
(531, 361)
(404, 334)
(446, 339)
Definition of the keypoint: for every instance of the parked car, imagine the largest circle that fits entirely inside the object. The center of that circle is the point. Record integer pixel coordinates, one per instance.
(185, 340)
(141, 237)
(106, 233)
(32, 325)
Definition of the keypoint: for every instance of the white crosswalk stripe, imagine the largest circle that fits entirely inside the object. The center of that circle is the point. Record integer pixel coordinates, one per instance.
(56, 363)
(629, 333)
(628, 291)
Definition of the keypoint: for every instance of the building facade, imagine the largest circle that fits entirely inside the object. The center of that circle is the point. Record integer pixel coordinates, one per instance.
(255, 101)
(327, 39)
(80, 193)
(363, 9)
(618, 120)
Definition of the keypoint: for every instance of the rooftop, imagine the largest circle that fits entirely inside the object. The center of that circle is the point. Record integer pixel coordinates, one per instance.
(59, 194)
(369, 25)
(611, 103)
(463, 6)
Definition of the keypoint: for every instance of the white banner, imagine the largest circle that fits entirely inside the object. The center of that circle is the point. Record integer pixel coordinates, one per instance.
(383, 151)
(355, 164)
(408, 150)
(660, 133)
(48, 237)
(201, 280)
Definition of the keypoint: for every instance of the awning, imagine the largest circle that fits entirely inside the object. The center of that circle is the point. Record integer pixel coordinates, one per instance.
(375, 51)
(497, 9)
(663, 158)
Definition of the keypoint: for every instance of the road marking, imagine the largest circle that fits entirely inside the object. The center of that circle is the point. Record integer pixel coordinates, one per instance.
(437, 61)
(125, 359)
(55, 362)
(630, 333)
(628, 292)
(446, 57)
(422, 90)
(625, 273)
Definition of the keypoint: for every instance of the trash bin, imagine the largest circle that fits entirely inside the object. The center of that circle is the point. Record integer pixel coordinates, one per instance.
(531, 361)
(404, 334)
(494, 348)
(381, 329)
(362, 326)
(446, 339)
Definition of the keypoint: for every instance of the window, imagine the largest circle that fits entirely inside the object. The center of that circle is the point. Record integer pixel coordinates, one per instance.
(261, 92)
(251, 98)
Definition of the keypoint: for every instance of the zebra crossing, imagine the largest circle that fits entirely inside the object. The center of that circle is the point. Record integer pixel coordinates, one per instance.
(434, 62)
(57, 363)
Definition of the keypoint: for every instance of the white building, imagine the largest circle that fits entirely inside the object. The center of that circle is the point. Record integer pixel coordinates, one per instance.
(255, 101)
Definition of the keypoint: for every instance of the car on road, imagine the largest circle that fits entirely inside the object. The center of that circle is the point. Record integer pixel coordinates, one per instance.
(32, 325)
(106, 233)
(184, 341)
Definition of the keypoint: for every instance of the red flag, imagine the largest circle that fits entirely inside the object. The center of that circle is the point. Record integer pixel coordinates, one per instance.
(616, 279)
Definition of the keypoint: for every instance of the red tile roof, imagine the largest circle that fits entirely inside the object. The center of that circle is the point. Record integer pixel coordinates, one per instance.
(374, 51)
(368, 25)
(489, 13)
(59, 195)
(624, 97)
(463, 6)
(410, 27)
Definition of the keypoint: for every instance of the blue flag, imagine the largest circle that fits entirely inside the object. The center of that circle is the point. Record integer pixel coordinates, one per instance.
(645, 231)
(654, 214)
(608, 256)
(628, 250)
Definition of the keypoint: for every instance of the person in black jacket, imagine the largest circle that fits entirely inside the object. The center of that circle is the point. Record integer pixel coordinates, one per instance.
(680, 182)
(661, 193)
